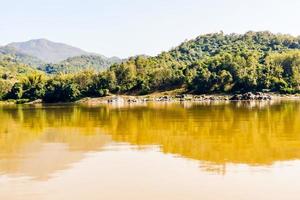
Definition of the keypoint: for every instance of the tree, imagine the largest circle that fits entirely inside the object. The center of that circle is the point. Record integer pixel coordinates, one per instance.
(61, 89)
(5, 87)
(16, 91)
(33, 86)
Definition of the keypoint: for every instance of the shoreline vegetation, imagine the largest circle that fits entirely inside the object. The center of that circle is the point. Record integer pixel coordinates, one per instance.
(211, 67)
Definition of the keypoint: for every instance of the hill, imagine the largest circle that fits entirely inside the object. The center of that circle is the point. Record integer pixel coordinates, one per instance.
(11, 71)
(53, 57)
(217, 63)
(47, 51)
(20, 57)
(80, 63)
(9, 66)
(216, 43)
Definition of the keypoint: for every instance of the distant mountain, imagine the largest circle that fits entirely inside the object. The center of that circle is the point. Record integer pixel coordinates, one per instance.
(47, 51)
(53, 57)
(79, 63)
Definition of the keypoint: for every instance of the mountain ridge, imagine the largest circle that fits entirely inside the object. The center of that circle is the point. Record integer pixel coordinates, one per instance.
(49, 56)
(46, 50)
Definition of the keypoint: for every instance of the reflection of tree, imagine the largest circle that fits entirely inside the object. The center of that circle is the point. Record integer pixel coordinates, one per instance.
(253, 134)
(32, 145)
(217, 134)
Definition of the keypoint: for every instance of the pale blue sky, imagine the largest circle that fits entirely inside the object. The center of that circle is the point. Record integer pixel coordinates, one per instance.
(128, 27)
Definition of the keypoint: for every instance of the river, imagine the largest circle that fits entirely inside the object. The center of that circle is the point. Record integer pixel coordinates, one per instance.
(161, 151)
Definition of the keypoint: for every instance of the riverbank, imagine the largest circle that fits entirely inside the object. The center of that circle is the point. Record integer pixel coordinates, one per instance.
(172, 96)
(167, 97)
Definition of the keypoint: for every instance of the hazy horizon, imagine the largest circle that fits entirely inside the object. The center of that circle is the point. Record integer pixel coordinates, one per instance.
(126, 28)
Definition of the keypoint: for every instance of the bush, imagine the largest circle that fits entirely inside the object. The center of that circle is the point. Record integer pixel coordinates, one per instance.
(16, 91)
(61, 91)
(5, 87)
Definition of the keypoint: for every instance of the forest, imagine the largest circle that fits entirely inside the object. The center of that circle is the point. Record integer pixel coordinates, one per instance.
(209, 64)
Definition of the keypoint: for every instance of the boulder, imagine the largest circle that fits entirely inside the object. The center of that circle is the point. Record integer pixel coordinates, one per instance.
(249, 96)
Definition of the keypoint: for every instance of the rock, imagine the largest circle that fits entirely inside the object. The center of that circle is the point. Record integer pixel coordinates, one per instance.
(225, 98)
(38, 101)
(163, 98)
(198, 98)
(213, 98)
(146, 99)
(180, 96)
(116, 100)
(185, 97)
(236, 97)
(249, 96)
(132, 100)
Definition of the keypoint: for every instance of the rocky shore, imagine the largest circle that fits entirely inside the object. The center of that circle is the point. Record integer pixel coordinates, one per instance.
(119, 99)
(249, 96)
(165, 97)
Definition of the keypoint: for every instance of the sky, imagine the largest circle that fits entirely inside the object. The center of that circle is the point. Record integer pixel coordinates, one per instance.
(129, 27)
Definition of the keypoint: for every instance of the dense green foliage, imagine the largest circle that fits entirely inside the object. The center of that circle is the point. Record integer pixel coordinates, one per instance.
(279, 72)
(20, 57)
(80, 63)
(11, 71)
(10, 67)
(213, 63)
(217, 63)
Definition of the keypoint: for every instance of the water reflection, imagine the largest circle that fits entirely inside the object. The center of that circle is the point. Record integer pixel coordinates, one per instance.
(38, 141)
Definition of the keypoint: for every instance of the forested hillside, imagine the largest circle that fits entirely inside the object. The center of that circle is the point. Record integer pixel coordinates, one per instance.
(80, 63)
(11, 72)
(212, 63)
(20, 57)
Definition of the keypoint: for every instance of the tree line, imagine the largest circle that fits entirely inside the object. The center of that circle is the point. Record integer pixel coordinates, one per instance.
(213, 63)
